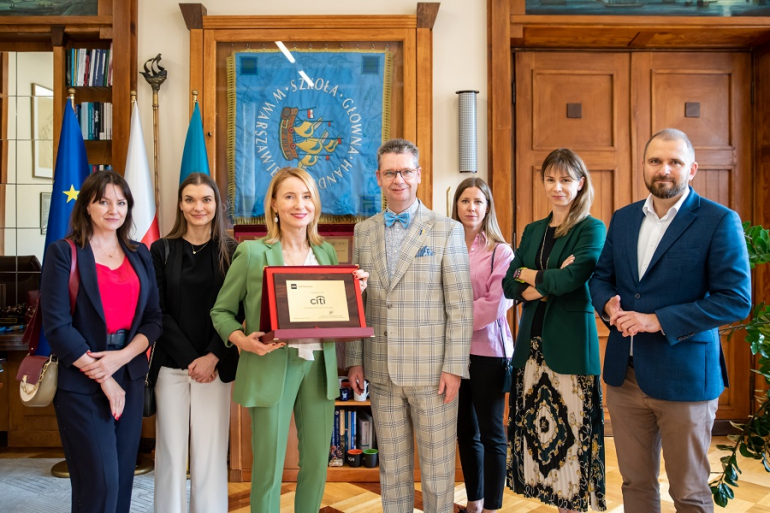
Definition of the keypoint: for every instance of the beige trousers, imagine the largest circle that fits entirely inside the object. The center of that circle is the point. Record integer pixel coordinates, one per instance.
(642, 425)
(202, 412)
(401, 415)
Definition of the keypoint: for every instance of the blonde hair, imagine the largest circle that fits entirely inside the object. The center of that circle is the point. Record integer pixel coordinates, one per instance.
(274, 228)
(569, 163)
(490, 227)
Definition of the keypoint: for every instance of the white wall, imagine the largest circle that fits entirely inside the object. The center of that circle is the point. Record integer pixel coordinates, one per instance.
(459, 53)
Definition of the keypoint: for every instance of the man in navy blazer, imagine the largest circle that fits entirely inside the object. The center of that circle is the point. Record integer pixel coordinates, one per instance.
(673, 269)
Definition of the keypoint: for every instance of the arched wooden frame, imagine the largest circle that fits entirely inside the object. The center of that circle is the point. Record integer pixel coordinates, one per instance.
(413, 32)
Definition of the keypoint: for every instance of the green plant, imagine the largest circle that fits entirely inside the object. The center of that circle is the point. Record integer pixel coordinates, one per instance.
(753, 439)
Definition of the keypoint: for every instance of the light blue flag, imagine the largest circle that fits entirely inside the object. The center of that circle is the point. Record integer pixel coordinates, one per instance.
(194, 157)
(71, 170)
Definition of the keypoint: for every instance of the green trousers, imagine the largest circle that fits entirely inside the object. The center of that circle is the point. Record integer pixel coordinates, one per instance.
(304, 394)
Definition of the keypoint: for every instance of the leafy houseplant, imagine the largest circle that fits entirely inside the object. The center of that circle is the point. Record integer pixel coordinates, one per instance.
(753, 439)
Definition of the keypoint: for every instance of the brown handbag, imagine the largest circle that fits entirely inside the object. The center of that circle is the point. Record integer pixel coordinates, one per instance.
(38, 375)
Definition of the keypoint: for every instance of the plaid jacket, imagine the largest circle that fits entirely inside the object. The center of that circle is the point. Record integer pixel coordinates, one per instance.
(423, 317)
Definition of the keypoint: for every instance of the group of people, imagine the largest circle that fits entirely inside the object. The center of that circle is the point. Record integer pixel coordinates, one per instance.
(666, 274)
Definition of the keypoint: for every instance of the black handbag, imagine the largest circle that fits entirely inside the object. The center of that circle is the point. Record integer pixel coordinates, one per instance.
(507, 366)
(148, 410)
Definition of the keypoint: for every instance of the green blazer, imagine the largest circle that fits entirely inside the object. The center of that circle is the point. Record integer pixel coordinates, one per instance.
(259, 380)
(569, 339)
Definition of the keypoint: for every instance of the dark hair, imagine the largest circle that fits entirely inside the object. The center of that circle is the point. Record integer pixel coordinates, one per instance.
(399, 147)
(218, 224)
(569, 163)
(490, 227)
(92, 191)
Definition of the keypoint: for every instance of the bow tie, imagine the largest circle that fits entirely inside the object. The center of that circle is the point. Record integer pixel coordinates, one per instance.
(391, 218)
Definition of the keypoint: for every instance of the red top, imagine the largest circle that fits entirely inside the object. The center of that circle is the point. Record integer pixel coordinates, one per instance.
(119, 289)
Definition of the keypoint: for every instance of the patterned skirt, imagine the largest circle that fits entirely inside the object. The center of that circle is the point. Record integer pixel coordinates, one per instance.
(556, 436)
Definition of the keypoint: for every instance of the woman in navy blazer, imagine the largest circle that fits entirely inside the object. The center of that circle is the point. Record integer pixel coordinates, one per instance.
(101, 373)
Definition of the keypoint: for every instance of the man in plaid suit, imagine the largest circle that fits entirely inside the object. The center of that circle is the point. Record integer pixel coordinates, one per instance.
(420, 303)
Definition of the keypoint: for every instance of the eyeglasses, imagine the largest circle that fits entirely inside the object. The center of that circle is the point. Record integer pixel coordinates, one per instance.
(406, 174)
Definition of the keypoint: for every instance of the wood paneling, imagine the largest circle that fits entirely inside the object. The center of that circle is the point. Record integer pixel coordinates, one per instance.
(619, 116)
(566, 31)
(500, 114)
(545, 83)
(761, 211)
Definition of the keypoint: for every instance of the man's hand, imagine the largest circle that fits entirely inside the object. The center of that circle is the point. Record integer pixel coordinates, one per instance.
(362, 277)
(612, 308)
(448, 385)
(356, 378)
(631, 323)
(202, 369)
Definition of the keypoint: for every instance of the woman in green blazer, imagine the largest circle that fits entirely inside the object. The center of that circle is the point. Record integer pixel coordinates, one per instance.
(273, 380)
(556, 425)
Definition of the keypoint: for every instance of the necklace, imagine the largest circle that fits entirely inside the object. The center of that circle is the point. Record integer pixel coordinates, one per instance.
(542, 248)
(196, 251)
(104, 251)
(291, 261)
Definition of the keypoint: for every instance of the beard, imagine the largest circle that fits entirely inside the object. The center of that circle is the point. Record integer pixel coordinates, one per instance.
(659, 189)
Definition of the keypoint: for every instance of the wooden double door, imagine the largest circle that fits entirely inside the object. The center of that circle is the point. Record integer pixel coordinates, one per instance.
(605, 106)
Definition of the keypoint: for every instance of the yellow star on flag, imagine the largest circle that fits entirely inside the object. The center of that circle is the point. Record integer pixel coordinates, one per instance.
(71, 194)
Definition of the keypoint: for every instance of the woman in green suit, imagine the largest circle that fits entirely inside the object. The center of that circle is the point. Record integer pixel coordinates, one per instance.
(556, 425)
(274, 380)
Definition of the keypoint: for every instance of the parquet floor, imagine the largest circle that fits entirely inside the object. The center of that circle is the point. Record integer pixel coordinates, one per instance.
(752, 496)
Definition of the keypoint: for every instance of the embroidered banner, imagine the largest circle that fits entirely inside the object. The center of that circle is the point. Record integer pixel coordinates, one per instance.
(329, 122)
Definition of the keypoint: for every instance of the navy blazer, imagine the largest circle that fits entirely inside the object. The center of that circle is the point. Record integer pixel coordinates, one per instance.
(698, 279)
(71, 335)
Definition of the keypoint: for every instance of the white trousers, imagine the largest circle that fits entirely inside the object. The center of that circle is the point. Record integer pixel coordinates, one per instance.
(202, 411)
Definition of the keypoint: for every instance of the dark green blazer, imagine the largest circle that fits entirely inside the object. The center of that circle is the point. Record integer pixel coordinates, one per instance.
(259, 380)
(569, 339)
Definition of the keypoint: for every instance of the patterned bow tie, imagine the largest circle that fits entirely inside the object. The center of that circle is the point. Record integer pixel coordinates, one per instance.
(391, 218)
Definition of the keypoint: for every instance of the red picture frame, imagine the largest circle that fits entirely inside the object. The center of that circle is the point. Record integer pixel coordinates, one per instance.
(275, 322)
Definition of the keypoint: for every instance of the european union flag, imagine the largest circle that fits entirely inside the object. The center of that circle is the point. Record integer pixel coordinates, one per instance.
(194, 157)
(71, 170)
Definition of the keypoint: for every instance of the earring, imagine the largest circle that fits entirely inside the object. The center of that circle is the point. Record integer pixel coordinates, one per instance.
(275, 219)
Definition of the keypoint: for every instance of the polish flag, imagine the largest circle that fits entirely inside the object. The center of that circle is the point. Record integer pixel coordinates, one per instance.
(138, 177)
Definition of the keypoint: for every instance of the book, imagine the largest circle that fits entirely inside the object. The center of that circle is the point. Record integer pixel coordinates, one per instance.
(336, 456)
(364, 430)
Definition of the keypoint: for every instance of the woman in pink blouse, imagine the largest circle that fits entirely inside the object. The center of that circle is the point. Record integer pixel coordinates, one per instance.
(480, 429)
(100, 345)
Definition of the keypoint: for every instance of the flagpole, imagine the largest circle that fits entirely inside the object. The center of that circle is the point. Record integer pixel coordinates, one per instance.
(155, 75)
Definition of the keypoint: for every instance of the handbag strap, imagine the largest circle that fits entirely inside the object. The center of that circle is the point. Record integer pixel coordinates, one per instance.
(500, 328)
(74, 281)
(74, 287)
(166, 252)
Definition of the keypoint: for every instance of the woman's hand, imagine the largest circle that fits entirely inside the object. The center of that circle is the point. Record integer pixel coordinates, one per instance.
(202, 369)
(570, 259)
(252, 344)
(116, 395)
(107, 362)
(362, 277)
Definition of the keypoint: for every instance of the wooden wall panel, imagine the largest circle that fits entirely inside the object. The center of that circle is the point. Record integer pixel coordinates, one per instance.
(714, 184)
(553, 127)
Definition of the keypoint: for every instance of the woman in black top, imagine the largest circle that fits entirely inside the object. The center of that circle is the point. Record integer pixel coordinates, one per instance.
(191, 366)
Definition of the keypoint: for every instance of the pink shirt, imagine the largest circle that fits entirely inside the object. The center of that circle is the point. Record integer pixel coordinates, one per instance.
(489, 303)
(119, 290)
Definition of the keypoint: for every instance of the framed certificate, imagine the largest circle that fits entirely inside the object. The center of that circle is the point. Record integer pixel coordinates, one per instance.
(312, 302)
